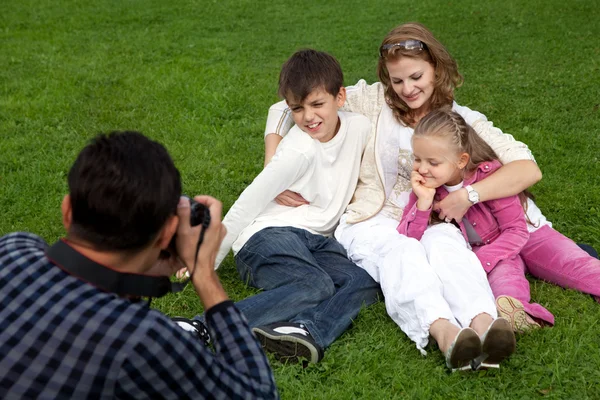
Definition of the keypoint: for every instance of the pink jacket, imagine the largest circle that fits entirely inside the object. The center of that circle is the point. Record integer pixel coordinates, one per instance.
(501, 223)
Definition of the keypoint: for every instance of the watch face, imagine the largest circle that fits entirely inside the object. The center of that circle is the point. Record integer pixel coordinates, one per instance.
(473, 196)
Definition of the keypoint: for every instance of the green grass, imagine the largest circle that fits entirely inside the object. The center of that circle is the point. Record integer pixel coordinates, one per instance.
(199, 76)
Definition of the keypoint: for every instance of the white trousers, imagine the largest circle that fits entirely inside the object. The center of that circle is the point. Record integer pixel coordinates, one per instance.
(439, 277)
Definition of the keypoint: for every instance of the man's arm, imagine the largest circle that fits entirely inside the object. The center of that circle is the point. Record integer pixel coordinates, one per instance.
(239, 364)
(168, 362)
(203, 275)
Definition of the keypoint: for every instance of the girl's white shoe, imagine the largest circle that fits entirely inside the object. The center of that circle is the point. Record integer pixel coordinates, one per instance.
(465, 347)
(498, 342)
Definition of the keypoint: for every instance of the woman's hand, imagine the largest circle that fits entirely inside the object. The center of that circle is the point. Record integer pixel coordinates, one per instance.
(454, 206)
(290, 199)
(424, 194)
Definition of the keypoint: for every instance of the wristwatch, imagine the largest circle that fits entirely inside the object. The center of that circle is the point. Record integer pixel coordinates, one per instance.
(473, 195)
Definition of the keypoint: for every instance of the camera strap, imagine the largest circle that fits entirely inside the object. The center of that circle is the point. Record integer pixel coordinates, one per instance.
(107, 279)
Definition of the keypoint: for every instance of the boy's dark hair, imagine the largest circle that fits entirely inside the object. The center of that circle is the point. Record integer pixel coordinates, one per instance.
(123, 187)
(307, 70)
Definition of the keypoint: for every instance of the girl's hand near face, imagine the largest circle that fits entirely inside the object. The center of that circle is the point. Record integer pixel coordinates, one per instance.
(423, 193)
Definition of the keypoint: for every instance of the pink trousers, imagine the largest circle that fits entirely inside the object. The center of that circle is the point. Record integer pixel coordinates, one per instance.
(550, 256)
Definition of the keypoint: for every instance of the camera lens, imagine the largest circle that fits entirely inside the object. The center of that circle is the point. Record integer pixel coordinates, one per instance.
(199, 214)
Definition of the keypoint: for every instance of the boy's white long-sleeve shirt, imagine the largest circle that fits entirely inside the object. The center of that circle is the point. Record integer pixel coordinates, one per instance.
(325, 174)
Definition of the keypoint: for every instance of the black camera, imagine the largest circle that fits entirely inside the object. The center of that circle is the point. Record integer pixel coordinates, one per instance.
(199, 215)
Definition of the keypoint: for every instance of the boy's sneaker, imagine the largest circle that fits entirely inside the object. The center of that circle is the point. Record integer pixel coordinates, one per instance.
(288, 341)
(513, 311)
(197, 328)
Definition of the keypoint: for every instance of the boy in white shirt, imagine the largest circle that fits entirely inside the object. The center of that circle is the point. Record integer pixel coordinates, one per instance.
(311, 291)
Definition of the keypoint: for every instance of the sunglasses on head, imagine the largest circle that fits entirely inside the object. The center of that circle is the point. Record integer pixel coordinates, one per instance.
(410, 44)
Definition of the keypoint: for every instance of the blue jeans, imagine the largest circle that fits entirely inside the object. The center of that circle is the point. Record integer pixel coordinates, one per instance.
(306, 279)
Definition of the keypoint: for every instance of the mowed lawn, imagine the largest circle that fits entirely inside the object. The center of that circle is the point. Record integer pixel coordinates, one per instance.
(199, 76)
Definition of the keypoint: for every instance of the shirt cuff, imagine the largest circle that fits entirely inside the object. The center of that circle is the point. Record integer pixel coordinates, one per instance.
(218, 308)
(419, 216)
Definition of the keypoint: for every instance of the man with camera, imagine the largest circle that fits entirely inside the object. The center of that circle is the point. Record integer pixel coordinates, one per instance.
(72, 320)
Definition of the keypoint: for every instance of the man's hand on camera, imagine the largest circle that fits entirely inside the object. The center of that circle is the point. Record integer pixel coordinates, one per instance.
(202, 273)
(165, 267)
(187, 236)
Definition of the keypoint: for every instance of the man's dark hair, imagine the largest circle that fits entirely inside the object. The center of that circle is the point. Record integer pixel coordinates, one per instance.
(123, 187)
(307, 70)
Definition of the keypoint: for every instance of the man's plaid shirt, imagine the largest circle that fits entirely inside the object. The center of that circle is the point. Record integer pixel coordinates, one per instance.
(63, 338)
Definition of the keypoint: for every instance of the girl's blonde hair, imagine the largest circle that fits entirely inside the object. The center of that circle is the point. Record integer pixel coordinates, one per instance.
(447, 77)
(444, 122)
(450, 125)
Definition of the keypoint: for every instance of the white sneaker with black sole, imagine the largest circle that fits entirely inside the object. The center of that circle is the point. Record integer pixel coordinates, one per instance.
(289, 341)
(197, 328)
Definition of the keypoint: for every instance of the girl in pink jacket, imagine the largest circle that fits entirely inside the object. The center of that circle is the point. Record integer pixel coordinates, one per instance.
(449, 155)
